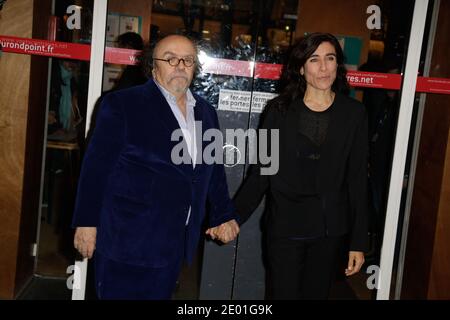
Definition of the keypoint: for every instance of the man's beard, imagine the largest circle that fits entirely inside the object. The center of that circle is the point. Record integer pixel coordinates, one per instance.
(178, 85)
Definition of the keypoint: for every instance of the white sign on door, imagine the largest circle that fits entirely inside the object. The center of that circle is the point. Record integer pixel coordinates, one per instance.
(235, 100)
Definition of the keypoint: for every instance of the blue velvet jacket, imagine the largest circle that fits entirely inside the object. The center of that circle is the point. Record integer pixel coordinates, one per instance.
(134, 194)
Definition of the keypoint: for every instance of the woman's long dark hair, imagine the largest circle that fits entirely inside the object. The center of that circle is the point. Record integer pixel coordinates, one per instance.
(294, 84)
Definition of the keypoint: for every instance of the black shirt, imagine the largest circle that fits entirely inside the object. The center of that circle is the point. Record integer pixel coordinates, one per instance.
(312, 131)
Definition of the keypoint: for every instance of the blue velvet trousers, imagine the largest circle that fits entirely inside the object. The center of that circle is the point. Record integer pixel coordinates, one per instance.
(120, 281)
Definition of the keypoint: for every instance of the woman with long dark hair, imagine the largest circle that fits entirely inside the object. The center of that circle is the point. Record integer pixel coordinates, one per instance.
(317, 199)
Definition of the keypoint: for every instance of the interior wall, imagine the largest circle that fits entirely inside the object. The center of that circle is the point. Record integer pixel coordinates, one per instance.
(439, 281)
(171, 24)
(16, 20)
(345, 18)
(427, 259)
(135, 8)
(22, 125)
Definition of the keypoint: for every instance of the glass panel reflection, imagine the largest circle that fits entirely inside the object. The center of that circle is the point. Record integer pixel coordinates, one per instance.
(67, 104)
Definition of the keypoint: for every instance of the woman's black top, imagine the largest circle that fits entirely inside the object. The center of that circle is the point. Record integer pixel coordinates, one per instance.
(312, 130)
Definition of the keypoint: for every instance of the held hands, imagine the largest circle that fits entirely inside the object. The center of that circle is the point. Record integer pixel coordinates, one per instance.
(355, 261)
(226, 232)
(84, 241)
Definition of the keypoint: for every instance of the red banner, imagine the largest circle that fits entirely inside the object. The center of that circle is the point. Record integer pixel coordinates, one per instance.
(433, 85)
(63, 50)
(374, 80)
(258, 70)
(121, 56)
(268, 71)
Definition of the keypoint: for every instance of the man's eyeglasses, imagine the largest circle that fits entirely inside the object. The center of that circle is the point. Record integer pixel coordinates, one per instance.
(174, 61)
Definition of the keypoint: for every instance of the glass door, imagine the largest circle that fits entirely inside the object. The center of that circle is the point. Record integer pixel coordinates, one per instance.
(66, 120)
(58, 44)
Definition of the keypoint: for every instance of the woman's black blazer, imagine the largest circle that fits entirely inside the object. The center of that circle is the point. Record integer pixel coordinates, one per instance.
(340, 205)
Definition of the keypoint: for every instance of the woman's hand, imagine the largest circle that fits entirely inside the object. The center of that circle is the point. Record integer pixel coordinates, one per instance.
(226, 232)
(355, 262)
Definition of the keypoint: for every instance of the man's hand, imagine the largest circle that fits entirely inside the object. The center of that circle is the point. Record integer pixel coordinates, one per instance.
(226, 232)
(355, 262)
(84, 241)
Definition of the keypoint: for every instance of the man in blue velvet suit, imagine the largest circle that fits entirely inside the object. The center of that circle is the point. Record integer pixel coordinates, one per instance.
(139, 211)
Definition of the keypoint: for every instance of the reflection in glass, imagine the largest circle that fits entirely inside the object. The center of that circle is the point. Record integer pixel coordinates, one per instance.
(67, 104)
